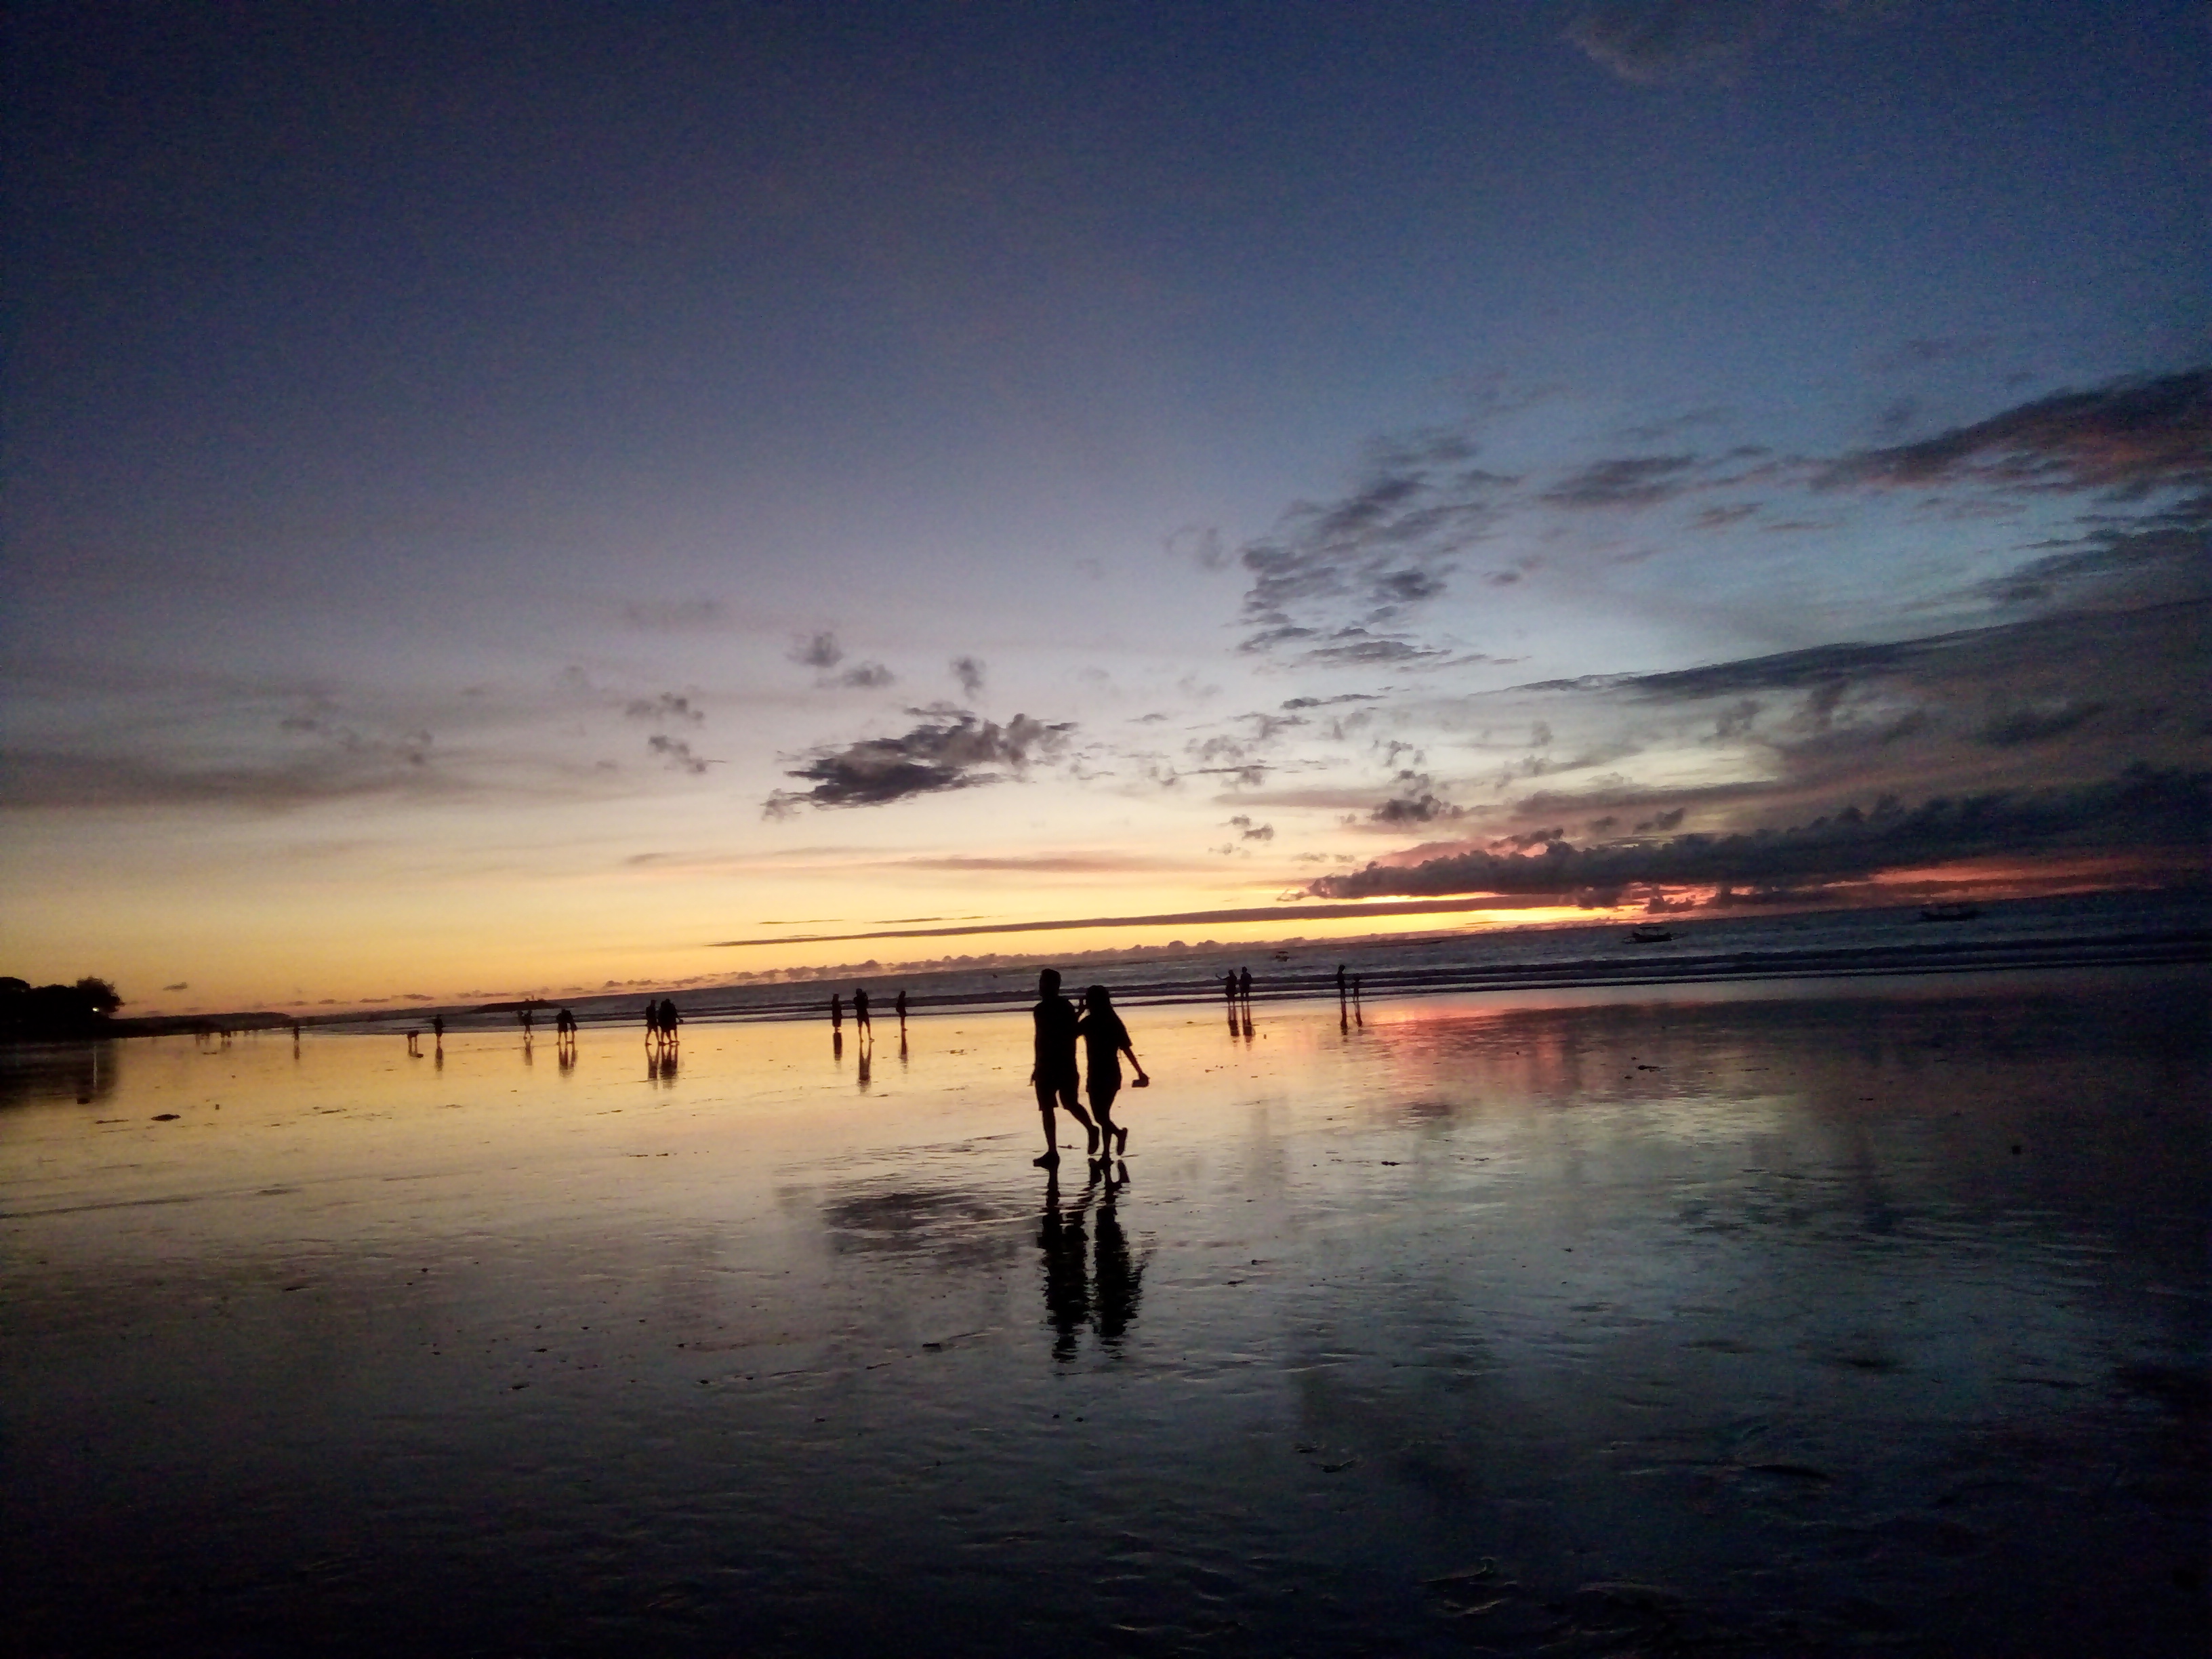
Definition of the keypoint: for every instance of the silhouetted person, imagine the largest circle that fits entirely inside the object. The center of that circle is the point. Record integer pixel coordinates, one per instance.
(836, 1012)
(898, 1007)
(413, 1045)
(652, 1022)
(860, 1011)
(1229, 990)
(1054, 1073)
(1340, 981)
(524, 1017)
(437, 1030)
(669, 1019)
(1105, 1040)
(1244, 989)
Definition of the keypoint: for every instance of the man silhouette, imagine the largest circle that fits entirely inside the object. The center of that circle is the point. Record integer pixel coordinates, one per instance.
(1055, 1075)
(860, 1011)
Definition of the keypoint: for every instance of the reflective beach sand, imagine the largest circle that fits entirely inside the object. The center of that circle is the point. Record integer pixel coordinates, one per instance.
(1784, 1317)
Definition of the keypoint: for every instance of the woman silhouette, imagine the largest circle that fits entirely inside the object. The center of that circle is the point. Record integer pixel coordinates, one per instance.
(1105, 1040)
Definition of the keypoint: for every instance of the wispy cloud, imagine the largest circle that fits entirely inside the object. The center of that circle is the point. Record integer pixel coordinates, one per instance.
(667, 709)
(822, 653)
(699, 616)
(2127, 437)
(1382, 552)
(677, 754)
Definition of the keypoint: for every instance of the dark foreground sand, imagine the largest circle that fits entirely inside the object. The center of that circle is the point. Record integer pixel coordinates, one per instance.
(1782, 1318)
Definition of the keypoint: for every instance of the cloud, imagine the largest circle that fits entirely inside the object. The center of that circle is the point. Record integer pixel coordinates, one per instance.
(683, 616)
(179, 986)
(2144, 807)
(1656, 42)
(1424, 808)
(866, 676)
(677, 753)
(2027, 726)
(968, 671)
(1201, 544)
(817, 651)
(667, 709)
(1248, 831)
(1382, 551)
(1633, 480)
(58, 778)
(2127, 437)
(952, 749)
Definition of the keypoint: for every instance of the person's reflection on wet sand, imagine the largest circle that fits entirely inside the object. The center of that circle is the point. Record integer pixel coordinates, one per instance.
(1118, 1280)
(1067, 1293)
(865, 1054)
(837, 1045)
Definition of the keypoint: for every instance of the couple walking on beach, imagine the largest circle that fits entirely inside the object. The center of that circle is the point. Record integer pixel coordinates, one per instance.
(1058, 1028)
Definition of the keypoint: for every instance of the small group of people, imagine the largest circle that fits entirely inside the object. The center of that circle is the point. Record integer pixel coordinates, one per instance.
(860, 1021)
(1105, 1039)
(661, 1023)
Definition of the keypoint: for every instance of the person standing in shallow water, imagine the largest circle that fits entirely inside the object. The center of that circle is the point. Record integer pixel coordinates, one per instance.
(1105, 1040)
(1054, 1073)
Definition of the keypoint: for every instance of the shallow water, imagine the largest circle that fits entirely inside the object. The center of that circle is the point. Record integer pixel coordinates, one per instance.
(1788, 1317)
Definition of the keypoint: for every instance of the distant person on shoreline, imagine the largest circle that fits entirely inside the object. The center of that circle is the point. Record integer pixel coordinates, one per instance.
(1105, 1040)
(1054, 1072)
(669, 1019)
(898, 1006)
(837, 1013)
(652, 1021)
(1229, 990)
(1244, 987)
(860, 1011)
(437, 1031)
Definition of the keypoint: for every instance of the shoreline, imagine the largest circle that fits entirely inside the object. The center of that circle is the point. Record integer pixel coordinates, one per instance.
(1652, 967)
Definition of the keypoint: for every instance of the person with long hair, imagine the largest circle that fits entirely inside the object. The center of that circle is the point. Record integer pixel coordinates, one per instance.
(1105, 1040)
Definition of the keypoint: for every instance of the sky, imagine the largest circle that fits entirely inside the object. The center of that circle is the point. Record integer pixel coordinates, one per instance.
(528, 500)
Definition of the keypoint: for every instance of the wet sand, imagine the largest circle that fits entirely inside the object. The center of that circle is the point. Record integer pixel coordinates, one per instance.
(1785, 1317)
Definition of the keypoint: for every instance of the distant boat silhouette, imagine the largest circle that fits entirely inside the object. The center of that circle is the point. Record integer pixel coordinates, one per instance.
(1956, 911)
(1648, 934)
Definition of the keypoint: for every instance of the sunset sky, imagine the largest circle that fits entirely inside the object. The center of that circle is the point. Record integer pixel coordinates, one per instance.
(516, 499)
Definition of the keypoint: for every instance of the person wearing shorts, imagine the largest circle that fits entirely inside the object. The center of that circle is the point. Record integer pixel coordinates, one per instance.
(1054, 1073)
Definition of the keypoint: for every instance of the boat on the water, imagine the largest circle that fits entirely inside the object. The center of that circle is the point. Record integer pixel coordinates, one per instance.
(1648, 934)
(1958, 911)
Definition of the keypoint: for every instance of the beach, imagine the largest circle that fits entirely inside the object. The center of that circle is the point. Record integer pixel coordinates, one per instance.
(1767, 1315)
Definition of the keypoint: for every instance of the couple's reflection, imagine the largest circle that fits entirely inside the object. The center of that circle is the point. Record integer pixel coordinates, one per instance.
(1103, 1290)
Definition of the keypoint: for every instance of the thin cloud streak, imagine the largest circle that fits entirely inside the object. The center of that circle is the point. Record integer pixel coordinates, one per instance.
(1278, 913)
